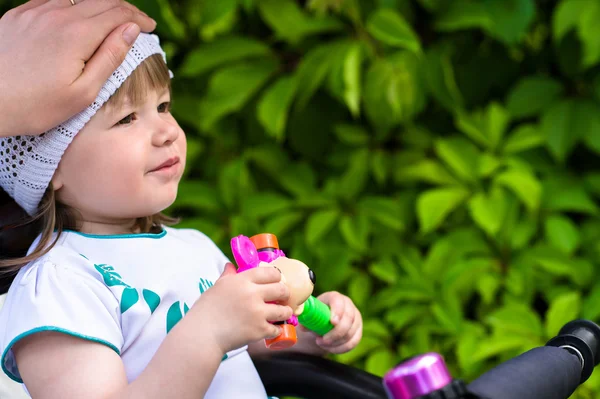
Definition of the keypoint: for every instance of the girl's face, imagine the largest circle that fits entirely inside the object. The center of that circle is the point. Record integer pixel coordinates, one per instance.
(124, 164)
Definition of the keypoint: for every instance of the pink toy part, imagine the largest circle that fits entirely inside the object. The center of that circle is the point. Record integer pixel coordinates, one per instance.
(270, 256)
(244, 252)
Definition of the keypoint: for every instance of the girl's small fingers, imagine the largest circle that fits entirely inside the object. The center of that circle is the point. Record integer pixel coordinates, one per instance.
(276, 312)
(273, 331)
(340, 333)
(338, 308)
(275, 292)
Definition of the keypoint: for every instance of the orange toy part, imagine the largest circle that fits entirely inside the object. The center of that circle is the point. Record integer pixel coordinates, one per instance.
(265, 240)
(286, 339)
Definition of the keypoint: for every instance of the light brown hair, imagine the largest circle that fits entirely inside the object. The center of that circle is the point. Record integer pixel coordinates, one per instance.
(18, 231)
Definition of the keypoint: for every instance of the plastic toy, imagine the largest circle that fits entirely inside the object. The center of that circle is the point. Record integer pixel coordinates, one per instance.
(262, 250)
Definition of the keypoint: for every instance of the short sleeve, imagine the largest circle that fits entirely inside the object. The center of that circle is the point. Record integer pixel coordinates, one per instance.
(58, 292)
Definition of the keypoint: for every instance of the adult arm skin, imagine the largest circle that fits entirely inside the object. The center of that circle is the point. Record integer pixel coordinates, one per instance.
(55, 57)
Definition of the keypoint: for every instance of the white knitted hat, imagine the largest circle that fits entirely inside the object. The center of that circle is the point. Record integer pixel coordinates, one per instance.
(27, 163)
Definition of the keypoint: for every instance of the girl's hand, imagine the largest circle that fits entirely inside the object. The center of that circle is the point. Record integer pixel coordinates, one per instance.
(347, 323)
(235, 308)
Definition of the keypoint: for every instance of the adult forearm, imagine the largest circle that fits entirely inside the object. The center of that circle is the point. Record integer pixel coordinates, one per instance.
(183, 367)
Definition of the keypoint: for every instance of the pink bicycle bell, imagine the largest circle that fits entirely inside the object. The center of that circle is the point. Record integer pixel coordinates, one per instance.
(417, 377)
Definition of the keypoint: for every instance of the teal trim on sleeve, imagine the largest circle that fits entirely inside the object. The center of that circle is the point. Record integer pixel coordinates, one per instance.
(48, 328)
(118, 236)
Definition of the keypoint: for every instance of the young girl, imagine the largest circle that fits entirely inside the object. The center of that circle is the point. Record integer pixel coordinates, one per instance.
(97, 308)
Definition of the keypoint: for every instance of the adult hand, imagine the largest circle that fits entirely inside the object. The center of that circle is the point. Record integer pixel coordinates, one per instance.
(55, 57)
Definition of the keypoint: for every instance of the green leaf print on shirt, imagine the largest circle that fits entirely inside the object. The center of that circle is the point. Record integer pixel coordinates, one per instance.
(173, 316)
(129, 297)
(110, 276)
(152, 299)
(204, 284)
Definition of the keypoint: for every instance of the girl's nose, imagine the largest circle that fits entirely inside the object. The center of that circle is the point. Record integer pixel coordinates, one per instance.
(166, 133)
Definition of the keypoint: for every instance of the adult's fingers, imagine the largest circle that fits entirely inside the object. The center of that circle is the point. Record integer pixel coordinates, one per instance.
(105, 60)
(107, 20)
(275, 292)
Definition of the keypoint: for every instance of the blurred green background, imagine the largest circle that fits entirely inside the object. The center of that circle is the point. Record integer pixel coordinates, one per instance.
(435, 160)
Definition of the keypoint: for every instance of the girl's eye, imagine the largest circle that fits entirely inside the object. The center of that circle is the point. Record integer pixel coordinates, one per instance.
(164, 107)
(127, 120)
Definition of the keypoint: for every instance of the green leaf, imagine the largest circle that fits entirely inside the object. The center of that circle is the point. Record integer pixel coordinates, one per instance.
(511, 18)
(448, 320)
(291, 23)
(273, 108)
(434, 205)
(589, 32)
(313, 69)
(460, 155)
(591, 304)
(170, 20)
(197, 194)
(360, 289)
(440, 78)
(591, 136)
(524, 184)
(402, 316)
(523, 232)
(383, 210)
(354, 179)
(486, 127)
(567, 16)
(488, 164)
(319, 224)
(425, 170)
(352, 135)
(352, 77)
(562, 310)
(393, 91)
(380, 166)
(516, 320)
(389, 27)
(463, 14)
(531, 95)
(385, 270)
(282, 224)
(568, 194)
(524, 137)
(355, 230)
(220, 52)
(230, 88)
(565, 123)
(365, 346)
(488, 211)
(562, 233)
(264, 204)
(234, 179)
(499, 345)
(216, 17)
(380, 362)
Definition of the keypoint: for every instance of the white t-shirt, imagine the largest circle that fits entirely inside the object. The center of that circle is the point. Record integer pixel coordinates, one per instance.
(125, 292)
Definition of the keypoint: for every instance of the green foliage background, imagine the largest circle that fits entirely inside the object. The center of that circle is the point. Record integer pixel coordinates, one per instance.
(435, 160)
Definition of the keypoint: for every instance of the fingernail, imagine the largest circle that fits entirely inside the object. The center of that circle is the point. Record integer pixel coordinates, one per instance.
(335, 319)
(131, 33)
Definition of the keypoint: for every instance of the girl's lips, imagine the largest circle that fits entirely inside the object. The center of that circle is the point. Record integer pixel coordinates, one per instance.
(169, 170)
(167, 164)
